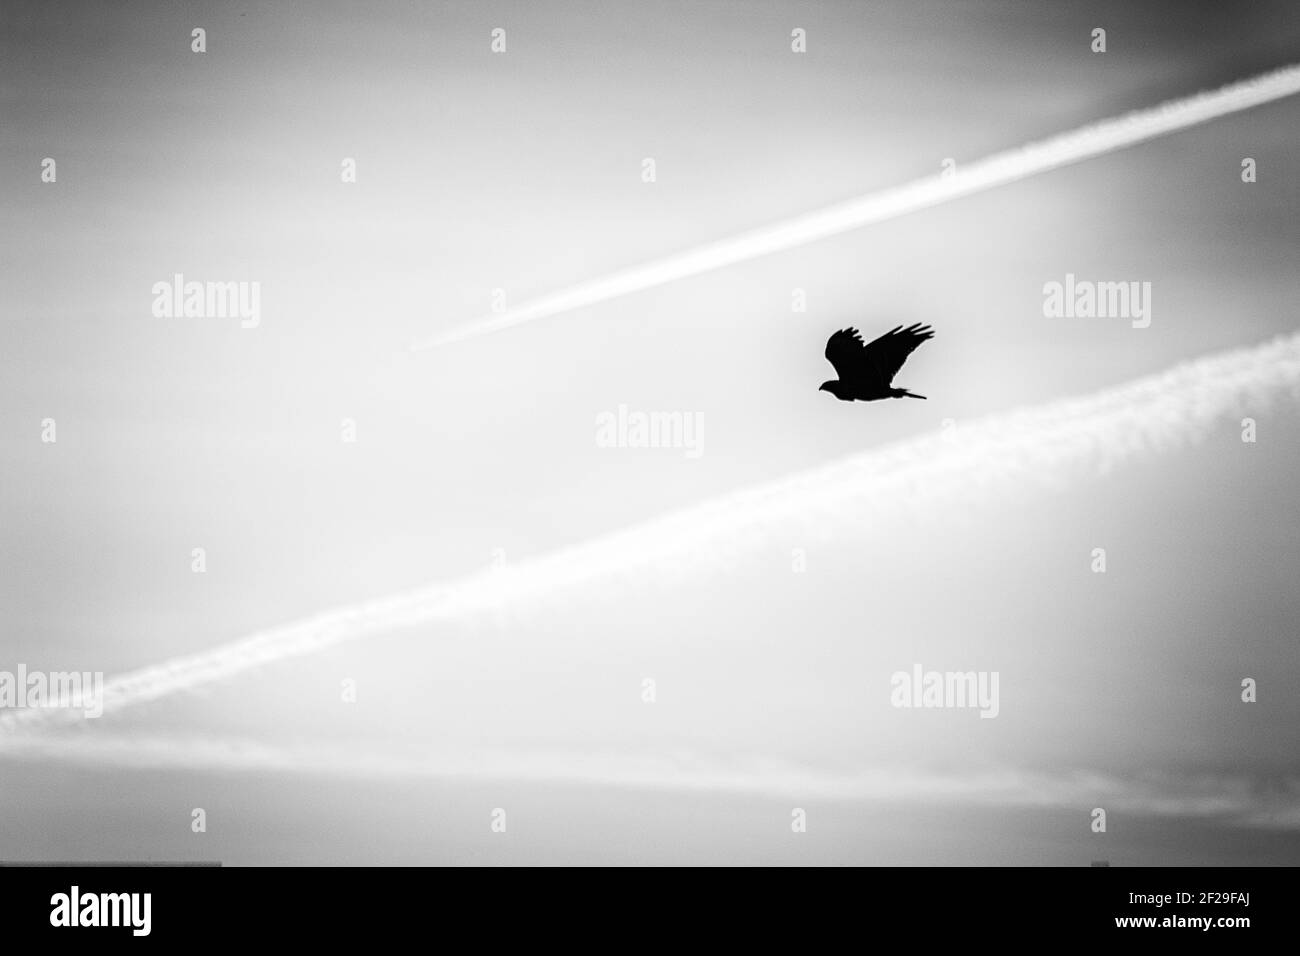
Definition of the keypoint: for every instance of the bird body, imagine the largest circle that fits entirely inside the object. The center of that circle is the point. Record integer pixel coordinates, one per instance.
(866, 369)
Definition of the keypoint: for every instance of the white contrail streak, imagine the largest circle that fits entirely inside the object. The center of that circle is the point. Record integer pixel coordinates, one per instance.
(1040, 446)
(1232, 798)
(1084, 143)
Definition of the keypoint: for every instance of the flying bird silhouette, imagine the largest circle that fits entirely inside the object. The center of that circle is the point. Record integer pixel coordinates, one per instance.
(866, 369)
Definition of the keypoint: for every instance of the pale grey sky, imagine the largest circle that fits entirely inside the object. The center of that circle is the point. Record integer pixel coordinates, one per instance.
(522, 171)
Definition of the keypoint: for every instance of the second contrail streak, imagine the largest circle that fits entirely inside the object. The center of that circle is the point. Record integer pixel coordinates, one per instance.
(996, 170)
(922, 477)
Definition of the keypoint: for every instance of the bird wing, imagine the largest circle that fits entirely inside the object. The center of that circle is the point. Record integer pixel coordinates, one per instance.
(890, 351)
(845, 350)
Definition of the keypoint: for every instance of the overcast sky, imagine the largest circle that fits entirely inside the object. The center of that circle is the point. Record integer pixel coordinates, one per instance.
(522, 171)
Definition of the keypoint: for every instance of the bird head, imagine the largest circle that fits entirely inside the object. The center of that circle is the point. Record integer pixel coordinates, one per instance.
(828, 386)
